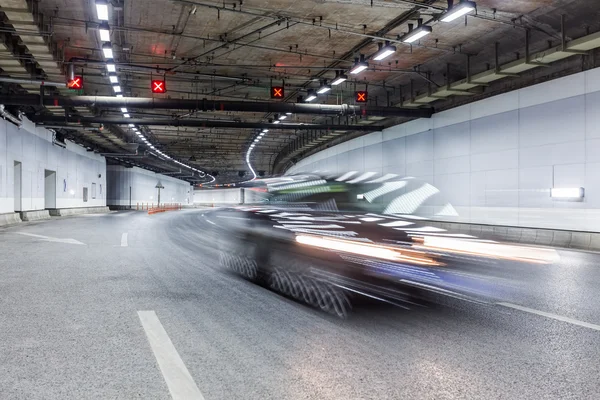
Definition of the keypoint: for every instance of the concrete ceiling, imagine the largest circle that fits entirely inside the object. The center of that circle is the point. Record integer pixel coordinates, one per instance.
(236, 50)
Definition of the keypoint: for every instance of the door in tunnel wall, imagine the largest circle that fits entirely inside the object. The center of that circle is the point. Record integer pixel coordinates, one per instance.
(18, 193)
(49, 189)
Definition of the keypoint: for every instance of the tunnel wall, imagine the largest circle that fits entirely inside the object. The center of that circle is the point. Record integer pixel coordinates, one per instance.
(218, 196)
(74, 167)
(496, 159)
(143, 187)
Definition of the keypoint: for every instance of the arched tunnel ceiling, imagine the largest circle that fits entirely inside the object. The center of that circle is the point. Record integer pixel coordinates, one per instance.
(237, 50)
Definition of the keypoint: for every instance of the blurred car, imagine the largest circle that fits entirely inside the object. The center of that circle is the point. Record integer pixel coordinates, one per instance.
(326, 240)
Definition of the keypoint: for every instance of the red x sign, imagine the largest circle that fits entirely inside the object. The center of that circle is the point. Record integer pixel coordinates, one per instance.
(277, 92)
(159, 87)
(75, 83)
(361, 96)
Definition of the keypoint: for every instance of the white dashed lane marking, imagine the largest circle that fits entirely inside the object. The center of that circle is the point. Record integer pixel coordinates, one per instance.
(180, 382)
(552, 316)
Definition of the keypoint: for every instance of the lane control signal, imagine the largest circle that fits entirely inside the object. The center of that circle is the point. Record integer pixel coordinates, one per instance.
(159, 86)
(361, 96)
(75, 83)
(277, 92)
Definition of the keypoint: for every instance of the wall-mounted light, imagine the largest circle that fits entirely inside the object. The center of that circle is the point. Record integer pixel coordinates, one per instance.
(457, 11)
(415, 34)
(384, 51)
(567, 193)
(359, 65)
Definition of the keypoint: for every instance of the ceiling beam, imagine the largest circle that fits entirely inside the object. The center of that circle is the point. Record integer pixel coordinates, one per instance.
(61, 121)
(215, 105)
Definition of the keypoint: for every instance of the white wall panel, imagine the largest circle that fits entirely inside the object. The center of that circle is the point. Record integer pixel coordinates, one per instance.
(394, 152)
(553, 154)
(496, 132)
(33, 147)
(420, 168)
(592, 115)
(497, 158)
(419, 147)
(500, 104)
(502, 188)
(557, 89)
(505, 159)
(373, 156)
(553, 122)
(452, 141)
(454, 188)
(453, 116)
(452, 165)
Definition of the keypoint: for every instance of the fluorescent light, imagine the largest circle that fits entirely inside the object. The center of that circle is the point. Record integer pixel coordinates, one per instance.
(265, 130)
(339, 79)
(384, 52)
(102, 10)
(282, 117)
(567, 193)
(104, 32)
(126, 115)
(416, 34)
(139, 134)
(261, 135)
(324, 89)
(123, 110)
(311, 95)
(110, 67)
(359, 67)
(113, 79)
(130, 125)
(462, 8)
(288, 113)
(119, 95)
(107, 50)
(117, 89)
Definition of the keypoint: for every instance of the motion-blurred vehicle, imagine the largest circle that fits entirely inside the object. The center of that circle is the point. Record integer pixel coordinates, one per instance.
(327, 240)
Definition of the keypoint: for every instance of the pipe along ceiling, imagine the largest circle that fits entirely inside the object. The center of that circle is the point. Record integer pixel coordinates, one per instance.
(214, 105)
(56, 121)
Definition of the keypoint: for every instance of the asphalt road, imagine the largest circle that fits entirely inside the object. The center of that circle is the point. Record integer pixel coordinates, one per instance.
(127, 305)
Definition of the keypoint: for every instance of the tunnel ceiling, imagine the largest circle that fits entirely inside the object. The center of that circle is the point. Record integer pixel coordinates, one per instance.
(237, 50)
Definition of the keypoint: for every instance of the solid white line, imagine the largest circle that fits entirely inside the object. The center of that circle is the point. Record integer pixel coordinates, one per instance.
(180, 382)
(124, 240)
(553, 316)
(209, 221)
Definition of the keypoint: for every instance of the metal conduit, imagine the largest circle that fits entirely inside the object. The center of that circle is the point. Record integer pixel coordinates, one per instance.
(215, 105)
(31, 82)
(62, 121)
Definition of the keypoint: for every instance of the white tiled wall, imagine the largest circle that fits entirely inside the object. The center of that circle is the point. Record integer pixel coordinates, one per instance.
(496, 159)
(143, 187)
(75, 169)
